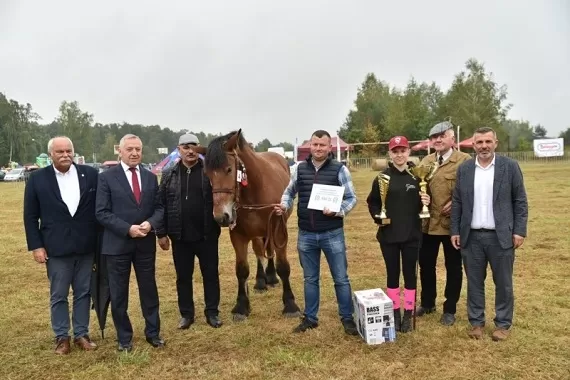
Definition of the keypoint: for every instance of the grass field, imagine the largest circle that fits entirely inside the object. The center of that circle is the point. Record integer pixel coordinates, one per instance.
(263, 347)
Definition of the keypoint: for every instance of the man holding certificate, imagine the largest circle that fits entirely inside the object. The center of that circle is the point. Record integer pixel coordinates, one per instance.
(326, 196)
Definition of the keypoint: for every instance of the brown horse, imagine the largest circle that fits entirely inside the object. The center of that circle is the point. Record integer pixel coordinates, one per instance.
(246, 185)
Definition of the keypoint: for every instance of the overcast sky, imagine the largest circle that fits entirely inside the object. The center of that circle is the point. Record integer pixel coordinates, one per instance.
(276, 69)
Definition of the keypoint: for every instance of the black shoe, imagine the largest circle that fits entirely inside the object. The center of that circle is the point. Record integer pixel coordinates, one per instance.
(156, 341)
(397, 319)
(214, 321)
(305, 325)
(185, 323)
(424, 310)
(406, 322)
(447, 319)
(349, 326)
(127, 347)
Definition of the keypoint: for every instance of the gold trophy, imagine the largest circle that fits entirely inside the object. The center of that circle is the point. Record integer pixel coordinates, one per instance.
(383, 183)
(424, 173)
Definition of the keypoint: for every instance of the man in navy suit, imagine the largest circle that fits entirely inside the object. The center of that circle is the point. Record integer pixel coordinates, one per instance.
(489, 215)
(130, 211)
(61, 231)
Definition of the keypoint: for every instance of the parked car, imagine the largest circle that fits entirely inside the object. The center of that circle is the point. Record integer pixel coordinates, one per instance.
(15, 175)
(107, 165)
(2, 175)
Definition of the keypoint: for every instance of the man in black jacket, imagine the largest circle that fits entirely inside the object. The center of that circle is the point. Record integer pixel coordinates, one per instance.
(186, 195)
(61, 231)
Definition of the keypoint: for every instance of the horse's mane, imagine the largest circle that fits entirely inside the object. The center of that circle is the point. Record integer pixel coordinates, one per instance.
(216, 157)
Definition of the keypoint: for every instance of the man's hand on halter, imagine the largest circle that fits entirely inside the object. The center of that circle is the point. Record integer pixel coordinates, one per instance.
(279, 209)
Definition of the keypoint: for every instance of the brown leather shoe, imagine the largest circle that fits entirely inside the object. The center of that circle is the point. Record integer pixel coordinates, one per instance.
(62, 346)
(500, 334)
(85, 343)
(476, 332)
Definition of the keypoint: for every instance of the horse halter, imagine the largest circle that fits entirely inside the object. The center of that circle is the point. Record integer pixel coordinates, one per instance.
(240, 179)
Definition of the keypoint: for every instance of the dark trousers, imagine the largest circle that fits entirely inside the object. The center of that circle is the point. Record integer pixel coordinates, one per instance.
(453, 267)
(119, 268)
(183, 254)
(408, 253)
(483, 248)
(63, 272)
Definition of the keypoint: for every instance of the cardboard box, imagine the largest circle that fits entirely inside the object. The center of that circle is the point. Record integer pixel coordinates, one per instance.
(374, 316)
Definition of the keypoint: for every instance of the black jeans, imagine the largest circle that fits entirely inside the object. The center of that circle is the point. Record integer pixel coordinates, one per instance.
(409, 253)
(453, 267)
(207, 253)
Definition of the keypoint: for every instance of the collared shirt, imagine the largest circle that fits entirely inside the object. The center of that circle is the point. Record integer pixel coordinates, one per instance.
(129, 174)
(344, 179)
(68, 183)
(445, 156)
(483, 216)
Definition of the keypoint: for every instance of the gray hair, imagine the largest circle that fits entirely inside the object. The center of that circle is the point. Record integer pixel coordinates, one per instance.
(128, 136)
(51, 141)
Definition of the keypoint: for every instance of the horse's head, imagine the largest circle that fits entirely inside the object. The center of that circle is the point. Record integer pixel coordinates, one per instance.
(222, 165)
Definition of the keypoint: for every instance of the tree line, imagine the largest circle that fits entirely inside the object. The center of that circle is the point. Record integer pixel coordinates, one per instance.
(23, 137)
(474, 99)
(380, 111)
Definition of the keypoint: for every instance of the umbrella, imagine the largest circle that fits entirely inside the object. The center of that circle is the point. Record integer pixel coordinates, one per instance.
(100, 293)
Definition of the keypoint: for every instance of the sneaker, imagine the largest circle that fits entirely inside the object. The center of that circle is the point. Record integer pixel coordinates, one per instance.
(349, 326)
(305, 325)
(500, 334)
(424, 310)
(476, 332)
(447, 319)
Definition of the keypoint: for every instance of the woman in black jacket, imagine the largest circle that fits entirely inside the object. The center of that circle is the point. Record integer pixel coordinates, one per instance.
(402, 236)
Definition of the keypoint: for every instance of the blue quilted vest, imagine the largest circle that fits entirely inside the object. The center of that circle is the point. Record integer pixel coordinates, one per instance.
(315, 220)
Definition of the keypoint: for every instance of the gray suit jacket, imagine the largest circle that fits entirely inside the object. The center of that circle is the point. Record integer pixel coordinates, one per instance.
(510, 206)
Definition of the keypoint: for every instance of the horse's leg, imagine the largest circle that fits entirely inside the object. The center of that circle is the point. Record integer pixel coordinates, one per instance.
(242, 308)
(270, 272)
(290, 309)
(260, 278)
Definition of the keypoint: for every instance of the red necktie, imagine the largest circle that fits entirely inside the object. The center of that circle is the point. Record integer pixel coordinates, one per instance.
(136, 187)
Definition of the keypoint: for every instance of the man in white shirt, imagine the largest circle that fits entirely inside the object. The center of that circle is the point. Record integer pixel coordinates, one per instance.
(61, 232)
(489, 216)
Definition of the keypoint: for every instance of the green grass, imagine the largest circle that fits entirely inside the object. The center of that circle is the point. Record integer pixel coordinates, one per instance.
(263, 347)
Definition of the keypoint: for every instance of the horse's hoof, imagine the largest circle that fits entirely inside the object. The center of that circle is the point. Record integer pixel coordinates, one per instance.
(293, 314)
(239, 317)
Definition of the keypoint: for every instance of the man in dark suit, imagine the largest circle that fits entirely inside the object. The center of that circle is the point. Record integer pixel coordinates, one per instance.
(489, 215)
(61, 231)
(128, 207)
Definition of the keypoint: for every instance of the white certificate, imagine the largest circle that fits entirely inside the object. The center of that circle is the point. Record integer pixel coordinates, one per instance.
(326, 196)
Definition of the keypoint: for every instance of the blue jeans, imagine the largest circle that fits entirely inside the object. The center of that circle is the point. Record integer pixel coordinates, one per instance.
(309, 245)
(74, 271)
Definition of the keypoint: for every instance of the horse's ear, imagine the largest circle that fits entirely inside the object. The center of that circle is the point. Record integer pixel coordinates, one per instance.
(200, 149)
(232, 142)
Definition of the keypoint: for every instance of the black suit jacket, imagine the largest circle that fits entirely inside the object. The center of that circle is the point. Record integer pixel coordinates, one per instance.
(47, 221)
(117, 210)
(510, 206)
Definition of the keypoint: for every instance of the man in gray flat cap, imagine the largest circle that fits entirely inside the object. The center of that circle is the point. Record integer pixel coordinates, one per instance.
(436, 228)
(186, 195)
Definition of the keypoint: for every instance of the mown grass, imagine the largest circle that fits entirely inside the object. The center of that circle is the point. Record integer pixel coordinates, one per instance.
(263, 347)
